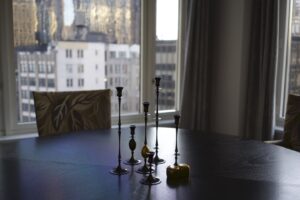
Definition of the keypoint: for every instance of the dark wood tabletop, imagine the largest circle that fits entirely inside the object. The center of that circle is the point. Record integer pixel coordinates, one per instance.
(77, 165)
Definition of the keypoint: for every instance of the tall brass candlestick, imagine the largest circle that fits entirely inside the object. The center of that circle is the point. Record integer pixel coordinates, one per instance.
(156, 159)
(145, 150)
(119, 170)
(177, 172)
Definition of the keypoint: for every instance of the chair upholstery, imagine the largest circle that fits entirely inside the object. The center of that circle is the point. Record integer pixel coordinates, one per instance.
(62, 112)
(291, 138)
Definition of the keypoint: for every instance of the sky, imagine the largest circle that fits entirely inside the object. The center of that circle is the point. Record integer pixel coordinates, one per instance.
(166, 18)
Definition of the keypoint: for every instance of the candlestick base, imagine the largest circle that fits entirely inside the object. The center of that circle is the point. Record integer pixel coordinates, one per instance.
(150, 180)
(158, 160)
(118, 171)
(144, 170)
(132, 161)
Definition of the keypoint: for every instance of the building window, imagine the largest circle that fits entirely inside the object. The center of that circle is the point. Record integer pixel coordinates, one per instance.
(42, 68)
(51, 83)
(69, 82)
(79, 53)
(112, 54)
(31, 67)
(69, 68)
(32, 81)
(42, 82)
(122, 54)
(50, 68)
(80, 82)
(68, 53)
(117, 69)
(80, 69)
(117, 81)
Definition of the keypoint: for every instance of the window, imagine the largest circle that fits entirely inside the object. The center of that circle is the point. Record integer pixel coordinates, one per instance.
(50, 68)
(51, 83)
(80, 69)
(68, 53)
(79, 53)
(42, 68)
(42, 82)
(117, 69)
(289, 57)
(69, 68)
(69, 82)
(80, 82)
(112, 54)
(122, 54)
(166, 54)
(125, 68)
(62, 42)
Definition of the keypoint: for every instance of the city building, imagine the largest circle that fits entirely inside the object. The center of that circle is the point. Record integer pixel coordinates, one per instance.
(36, 67)
(24, 22)
(50, 20)
(166, 59)
(80, 65)
(123, 69)
(118, 19)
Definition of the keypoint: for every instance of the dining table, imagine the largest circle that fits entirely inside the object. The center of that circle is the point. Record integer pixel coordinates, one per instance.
(77, 165)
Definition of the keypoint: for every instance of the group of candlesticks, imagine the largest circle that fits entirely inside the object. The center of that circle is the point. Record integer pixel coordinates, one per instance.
(175, 172)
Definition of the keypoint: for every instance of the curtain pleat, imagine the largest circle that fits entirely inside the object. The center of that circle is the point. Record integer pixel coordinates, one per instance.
(195, 95)
(261, 76)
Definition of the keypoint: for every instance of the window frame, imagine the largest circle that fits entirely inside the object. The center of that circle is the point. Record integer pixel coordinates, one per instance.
(8, 119)
(283, 62)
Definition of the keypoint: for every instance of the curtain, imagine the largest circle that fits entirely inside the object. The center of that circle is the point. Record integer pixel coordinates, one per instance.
(196, 78)
(260, 87)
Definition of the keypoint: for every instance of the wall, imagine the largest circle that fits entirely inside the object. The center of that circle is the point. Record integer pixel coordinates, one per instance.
(1, 73)
(231, 23)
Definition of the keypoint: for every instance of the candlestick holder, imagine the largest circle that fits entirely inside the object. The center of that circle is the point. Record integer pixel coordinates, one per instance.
(157, 160)
(119, 170)
(177, 172)
(145, 150)
(150, 180)
(132, 146)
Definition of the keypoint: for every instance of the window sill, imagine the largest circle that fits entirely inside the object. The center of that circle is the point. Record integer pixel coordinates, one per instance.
(16, 136)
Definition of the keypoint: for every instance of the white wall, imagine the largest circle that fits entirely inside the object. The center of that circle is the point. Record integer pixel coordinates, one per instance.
(231, 23)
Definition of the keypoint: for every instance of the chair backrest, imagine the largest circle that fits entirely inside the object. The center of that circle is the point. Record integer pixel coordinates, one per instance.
(62, 112)
(291, 138)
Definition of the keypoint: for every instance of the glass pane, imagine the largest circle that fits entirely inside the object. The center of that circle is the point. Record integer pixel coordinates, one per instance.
(294, 74)
(166, 51)
(68, 45)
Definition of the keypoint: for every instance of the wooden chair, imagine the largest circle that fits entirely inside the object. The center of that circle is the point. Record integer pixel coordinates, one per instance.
(291, 135)
(63, 112)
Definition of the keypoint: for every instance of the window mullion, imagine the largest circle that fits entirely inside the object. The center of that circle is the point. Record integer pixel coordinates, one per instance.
(148, 53)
